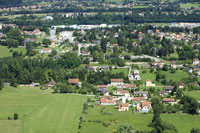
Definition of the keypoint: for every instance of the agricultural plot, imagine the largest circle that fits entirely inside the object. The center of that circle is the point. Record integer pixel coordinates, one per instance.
(39, 111)
(110, 121)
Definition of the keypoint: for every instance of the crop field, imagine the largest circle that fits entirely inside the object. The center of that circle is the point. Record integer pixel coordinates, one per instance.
(39, 111)
(110, 121)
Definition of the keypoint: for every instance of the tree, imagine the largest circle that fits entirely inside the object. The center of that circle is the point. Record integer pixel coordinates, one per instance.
(15, 116)
(103, 44)
(46, 42)
(165, 67)
(125, 129)
(190, 105)
(1, 84)
(195, 130)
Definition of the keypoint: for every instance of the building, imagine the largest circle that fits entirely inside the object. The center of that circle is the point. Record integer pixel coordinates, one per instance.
(74, 82)
(168, 100)
(130, 86)
(137, 100)
(181, 85)
(163, 93)
(168, 89)
(102, 89)
(1, 26)
(117, 82)
(145, 106)
(136, 75)
(45, 50)
(196, 62)
(123, 107)
(149, 83)
(107, 100)
(51, 84)
(141, 93)
(157, 64)
(37, 32)
(123, 92)
(48, 18)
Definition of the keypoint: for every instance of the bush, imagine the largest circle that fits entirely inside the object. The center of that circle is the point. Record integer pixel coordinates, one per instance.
(15, 116)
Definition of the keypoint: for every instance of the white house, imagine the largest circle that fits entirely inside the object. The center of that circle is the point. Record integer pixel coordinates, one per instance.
(123, 92)
(149, 83)
(168, 100)
(45, 50)
(123, 107)
(196, 61)
(145, 106)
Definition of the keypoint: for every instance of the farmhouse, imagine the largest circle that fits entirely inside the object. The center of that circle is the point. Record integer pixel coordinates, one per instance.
(107, 100)
(168, 100)
(123, 107)
(136, 75)
(149, 83)
(117, 82)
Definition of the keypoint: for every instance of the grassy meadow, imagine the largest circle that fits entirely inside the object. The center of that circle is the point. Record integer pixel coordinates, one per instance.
(39, 111)
(195, 94)
(95, 121)
(6, 52)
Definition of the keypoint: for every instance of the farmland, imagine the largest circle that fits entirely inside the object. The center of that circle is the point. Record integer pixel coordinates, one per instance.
(39, 111)
(95, 121)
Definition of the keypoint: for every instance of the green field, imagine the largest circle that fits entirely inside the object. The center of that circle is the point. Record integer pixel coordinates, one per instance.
(189, 5)
(39, 111)
(119, 70)
(94, 121)
(175, 76)
(5, 51)
(195, 94)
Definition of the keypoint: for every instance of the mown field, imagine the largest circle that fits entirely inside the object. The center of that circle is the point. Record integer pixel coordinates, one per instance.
(39, 111)
(6, 52)
(95, 122)
(195, 94)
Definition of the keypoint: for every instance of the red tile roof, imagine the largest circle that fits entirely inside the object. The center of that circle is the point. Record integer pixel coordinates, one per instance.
(168, 99)
(146, 104)
(73, 81)
(117, 80)
(102, 86)
(138, 98)
(107, 99)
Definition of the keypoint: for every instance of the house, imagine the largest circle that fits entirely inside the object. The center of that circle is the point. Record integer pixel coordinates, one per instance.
(48, 18)
(136, 75)
(123, 107)
(195, 61)
(101, 68)
(168, 100)
(123, 92)
(117, 82)
(137, 100)
(149, 83)
(157, 64)
(74, 82)
(107, 100)
(89, 67)
(168, 89)
(37, 32)
(130, 86)
(173, 64)
(102, 89)
(45, 50)
(51, 84)
(141, 93)
(163, 93)
(181, 85)
(145, 106)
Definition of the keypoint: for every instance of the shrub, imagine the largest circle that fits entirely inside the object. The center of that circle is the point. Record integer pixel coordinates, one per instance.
(15, 116)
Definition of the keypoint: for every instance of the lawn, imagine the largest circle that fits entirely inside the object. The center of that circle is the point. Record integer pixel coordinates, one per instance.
(39, 111)
(195, 94)
(175, 76)
(119, 70)
(5, 51)
(95, 122)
